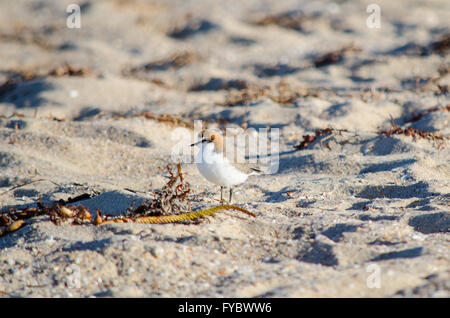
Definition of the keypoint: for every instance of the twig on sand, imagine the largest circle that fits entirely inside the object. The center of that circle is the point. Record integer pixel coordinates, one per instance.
(27, 183)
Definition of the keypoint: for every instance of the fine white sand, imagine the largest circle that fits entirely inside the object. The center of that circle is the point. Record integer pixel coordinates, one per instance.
(347, 201)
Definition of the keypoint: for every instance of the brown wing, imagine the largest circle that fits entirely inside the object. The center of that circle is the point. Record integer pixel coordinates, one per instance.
(247, 168)
(237, 156)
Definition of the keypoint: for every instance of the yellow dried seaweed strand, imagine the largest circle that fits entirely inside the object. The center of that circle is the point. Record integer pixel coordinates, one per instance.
(176, 218)
(143, 219)
(12, 227)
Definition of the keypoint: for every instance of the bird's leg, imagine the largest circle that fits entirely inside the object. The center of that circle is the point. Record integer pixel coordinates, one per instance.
(231, 193)
(221, 194)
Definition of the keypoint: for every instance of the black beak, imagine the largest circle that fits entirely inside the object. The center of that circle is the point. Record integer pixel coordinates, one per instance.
(199, 142)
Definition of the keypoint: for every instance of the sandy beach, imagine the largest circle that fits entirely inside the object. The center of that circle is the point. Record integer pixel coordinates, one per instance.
(359, 205)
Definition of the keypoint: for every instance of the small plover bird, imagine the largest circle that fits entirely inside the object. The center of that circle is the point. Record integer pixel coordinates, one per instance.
(216, 166)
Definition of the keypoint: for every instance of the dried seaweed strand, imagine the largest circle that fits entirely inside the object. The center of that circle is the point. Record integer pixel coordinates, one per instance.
(164, 219)
(418, 115)
(171, 204)
(411, 131)
(167, 119)
(11, 228)
(81, 214)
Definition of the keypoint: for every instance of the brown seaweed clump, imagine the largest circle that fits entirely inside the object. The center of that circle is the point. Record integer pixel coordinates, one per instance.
(172, 199)
(413, 132)
(308, 139)
(294, 19)
(334, 57)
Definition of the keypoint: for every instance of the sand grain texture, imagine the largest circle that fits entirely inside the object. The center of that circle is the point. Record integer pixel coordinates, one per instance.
(71, 105)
